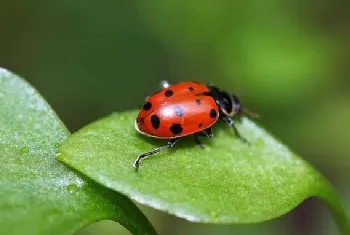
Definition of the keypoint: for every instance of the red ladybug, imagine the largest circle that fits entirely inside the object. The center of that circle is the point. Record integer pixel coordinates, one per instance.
(186, 108)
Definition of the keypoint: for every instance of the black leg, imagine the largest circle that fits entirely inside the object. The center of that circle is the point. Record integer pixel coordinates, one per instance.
(209, 132)
(170, 144)
(206, 133)
(230, 122)
(197, 140)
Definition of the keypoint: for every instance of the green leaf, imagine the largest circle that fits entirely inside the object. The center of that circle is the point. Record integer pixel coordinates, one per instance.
(39, 195)
(226, 182)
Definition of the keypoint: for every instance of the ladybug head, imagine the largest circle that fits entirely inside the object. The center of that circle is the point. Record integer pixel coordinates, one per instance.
(229, 103)
(238, 109)
(232, 104)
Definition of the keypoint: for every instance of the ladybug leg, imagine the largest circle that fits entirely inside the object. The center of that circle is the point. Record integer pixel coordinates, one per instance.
(230, 122)
(170, 144)
(206, 133)
(209, 132)
(197, 140)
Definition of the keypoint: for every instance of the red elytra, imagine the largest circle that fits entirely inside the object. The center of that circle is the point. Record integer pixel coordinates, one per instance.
(173, 91)
(177, 117)
(186, 108)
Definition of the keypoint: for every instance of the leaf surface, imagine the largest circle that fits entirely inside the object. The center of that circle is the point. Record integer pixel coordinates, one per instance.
(226, 182)
(40, 195)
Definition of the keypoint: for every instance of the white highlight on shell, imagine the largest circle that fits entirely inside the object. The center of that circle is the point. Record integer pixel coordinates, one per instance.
(167, 112)
(164, 84)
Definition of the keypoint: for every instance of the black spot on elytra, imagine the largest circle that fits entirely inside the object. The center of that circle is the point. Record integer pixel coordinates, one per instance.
(198, 101)
(147, 106)
(212, 113)
(176, 128)
(155, 121)
(178, 111)
(200, 125)
(168, 93)
(191, 88)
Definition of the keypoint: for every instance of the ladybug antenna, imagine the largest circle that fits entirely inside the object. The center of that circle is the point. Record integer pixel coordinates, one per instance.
(240, 110)
(250, 113)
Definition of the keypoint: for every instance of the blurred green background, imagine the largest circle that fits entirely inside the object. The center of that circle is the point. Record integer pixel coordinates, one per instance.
(288, 61)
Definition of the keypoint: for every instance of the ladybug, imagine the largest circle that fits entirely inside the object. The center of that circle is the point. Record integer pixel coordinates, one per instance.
(183, 109)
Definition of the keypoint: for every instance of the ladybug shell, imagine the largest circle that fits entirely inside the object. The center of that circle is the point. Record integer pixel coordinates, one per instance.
(173, 91)
(177, 115)
(178, 89)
